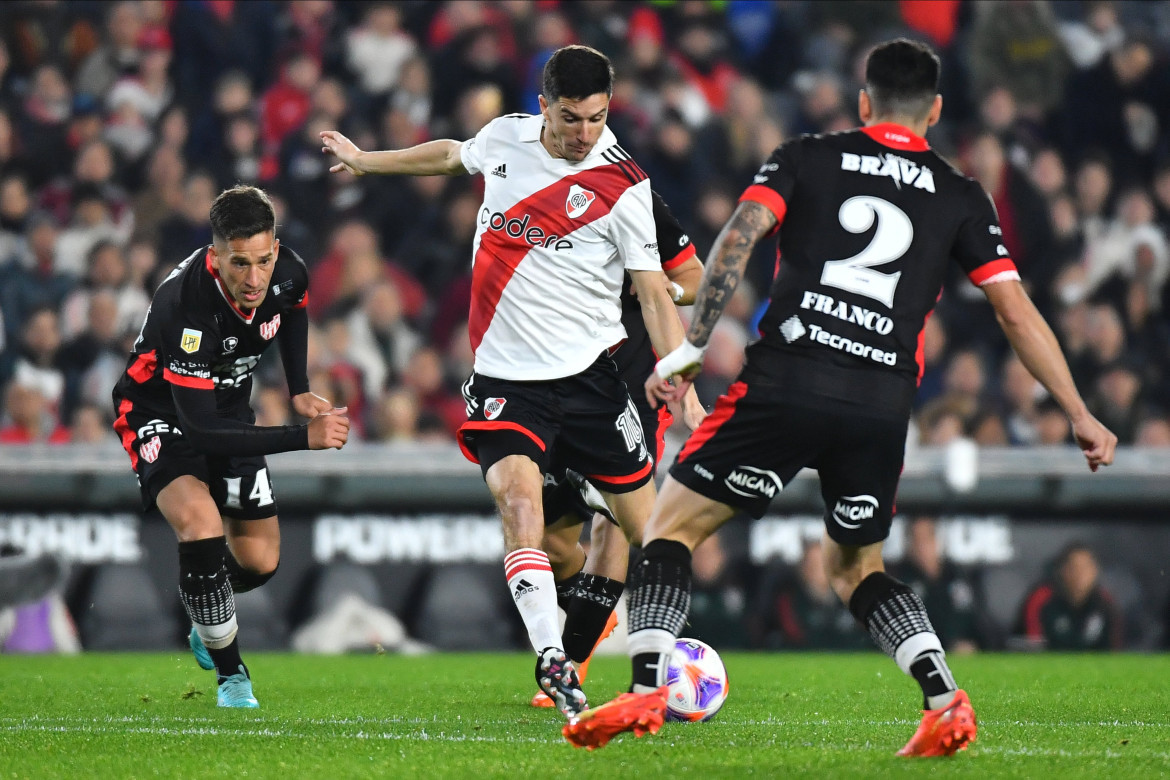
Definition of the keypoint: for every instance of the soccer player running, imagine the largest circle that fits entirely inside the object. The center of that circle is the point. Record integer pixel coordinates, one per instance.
(566, 213)
(588, 588)
(869, 220)
(184, 419)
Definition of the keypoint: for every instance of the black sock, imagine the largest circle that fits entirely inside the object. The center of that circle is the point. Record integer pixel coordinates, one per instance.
(660, 598)
(587, 613)
(565, 590)
(207, 595)
(896, 618)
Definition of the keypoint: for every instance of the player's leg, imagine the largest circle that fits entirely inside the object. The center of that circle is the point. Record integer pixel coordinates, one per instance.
(189, 508)
(254, 552)
(590, 615)
(859, 477)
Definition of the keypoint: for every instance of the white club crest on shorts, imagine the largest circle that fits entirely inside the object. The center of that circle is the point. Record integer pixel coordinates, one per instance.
(148, 451)
(493, 406)
(579, 201)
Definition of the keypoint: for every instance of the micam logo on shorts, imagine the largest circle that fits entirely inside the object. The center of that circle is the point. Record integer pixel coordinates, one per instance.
(851, 511)
(517, 227)
(753, 482)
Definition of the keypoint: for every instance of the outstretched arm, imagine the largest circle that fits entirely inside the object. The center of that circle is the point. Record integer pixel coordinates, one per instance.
(725, 268)
(1040, 353)
(433, 158)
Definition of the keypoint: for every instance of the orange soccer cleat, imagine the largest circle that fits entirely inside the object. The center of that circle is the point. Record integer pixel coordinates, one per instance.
(945, 731)
(641, 713)
(541, 698)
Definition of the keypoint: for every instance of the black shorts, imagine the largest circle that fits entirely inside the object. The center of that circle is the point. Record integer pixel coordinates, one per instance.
(756, 441)
(587, 419)
(159, 454)
(561, 500)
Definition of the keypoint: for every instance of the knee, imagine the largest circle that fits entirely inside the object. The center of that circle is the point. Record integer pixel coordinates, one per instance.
(246, 579)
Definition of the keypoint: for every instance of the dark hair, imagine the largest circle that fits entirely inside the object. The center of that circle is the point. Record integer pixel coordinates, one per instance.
(901, 78)
(576, 72)
(241, 212)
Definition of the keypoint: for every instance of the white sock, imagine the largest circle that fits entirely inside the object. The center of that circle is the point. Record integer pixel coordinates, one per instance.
(530, 579)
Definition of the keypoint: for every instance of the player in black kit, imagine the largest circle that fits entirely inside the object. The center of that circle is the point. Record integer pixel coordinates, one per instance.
(588, 589)
(183, 417)
(868, 220)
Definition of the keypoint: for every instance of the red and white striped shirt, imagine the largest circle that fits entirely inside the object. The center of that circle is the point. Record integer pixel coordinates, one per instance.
(553, 242)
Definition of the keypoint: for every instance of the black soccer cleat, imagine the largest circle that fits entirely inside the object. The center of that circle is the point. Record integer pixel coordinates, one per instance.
(558, 679)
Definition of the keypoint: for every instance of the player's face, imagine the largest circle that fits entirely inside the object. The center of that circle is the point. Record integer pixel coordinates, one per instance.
(245, 265)
(573, 127)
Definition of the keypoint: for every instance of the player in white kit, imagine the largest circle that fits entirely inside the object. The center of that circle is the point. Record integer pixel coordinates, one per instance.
(566, 214)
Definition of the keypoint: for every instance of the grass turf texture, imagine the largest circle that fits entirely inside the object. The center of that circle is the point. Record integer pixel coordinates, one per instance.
(824, 715)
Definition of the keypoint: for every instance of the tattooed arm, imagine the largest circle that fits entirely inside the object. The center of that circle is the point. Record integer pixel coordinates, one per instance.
(725, 268)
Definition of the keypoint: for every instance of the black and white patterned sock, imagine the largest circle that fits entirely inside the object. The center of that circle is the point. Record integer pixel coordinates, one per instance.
(896, 618)
(207, 595)
(660, 598)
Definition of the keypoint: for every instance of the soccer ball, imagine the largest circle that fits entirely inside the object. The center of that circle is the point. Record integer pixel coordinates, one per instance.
(696, 682)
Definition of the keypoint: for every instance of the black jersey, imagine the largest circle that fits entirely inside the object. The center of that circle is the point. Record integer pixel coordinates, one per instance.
(870, 218)
(636, 358)
(195, 338)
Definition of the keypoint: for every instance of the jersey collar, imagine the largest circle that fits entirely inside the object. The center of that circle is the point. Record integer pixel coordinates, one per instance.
(530, 128)
(211, 269)
(896, 137)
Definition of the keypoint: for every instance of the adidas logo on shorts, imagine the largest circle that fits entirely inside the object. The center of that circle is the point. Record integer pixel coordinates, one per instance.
(501, 171)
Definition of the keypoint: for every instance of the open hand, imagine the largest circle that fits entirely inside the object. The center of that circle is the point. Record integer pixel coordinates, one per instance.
(336, 144)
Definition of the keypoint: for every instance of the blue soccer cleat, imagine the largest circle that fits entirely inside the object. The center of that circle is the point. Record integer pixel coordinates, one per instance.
(236, 691)
(202, 657)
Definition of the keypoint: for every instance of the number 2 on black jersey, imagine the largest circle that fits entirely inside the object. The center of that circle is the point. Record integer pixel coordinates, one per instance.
(890, 241)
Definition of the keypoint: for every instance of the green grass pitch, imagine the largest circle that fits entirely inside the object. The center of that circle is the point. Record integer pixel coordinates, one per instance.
(818, 715)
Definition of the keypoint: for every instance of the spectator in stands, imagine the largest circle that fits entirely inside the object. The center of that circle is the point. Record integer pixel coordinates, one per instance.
(94, 170)
(950, 593)
(1071, 610)
(799, 611)
(377, 50)
(1052, 429)
(90, 424)
(190, 227)
(92, 224)
(285, 106)
(118, 56)
(1115, 106)
(149, 87)
(272, 407)
(1096, 34)
(106, 269)
(28, 417)
(1021, 395)
(1016, 44)
(36, 361)
(381, 341)
(719, 597)
(424, 377)
(15, 208)
(233, 96)
(1115, 399)
(94, 359)
(396, 417)
(27, 287)
(44, 124)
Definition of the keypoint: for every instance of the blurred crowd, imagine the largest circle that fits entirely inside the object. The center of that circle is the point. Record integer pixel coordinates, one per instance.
(121, 121)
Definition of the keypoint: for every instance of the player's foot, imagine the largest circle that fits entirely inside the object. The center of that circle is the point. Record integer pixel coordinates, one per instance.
(558, 679)
(945, 731)
(236, 691)
(202, 657)
(542, 699)
(641, 713)
(590, 495)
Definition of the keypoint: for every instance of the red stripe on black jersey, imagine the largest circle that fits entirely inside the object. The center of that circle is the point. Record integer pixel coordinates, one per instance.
(499, 254)
(992, 269)
(188, 381)
(724, 408)
(143, 367)
(686, 254)
(770, 199)
(122, 426)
